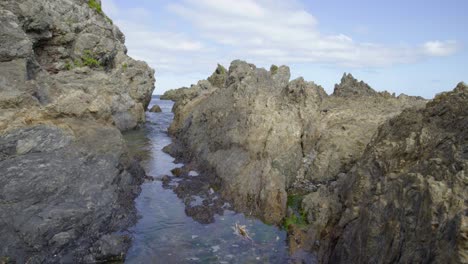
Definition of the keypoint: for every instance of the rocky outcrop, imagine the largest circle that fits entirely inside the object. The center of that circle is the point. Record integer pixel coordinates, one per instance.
(64, 58)
(64, 186)
(376, 178)
(405, 200)
(66, 89)
(155, 109)
(349, 86)
(263, 134)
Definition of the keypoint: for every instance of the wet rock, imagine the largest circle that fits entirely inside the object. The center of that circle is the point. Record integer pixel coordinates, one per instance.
(202, 203)
(165, 179)
(54, 173)
(177, 172)
(155, 109)
(111, 248)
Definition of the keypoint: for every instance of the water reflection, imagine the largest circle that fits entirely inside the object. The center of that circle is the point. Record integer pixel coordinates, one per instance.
(183, 219)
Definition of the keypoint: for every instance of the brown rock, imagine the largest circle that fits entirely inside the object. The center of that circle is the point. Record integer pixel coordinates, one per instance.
(155, 109)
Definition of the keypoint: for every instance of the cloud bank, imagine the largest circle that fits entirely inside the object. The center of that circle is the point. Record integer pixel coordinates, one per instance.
(262, 31)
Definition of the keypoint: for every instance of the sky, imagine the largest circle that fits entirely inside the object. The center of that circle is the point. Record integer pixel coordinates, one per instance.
(414, 47)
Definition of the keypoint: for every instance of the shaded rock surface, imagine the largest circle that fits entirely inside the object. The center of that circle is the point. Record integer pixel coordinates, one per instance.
(66, 89)
(263, 134)
(405, 200)
(63, 186)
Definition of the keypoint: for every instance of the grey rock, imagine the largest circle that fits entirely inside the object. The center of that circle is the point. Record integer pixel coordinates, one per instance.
(261, 133)
(67, 87)
(156, 109)
(70, 185)
(405, 200)
(13, 40)
(47, 54)
(349, 86)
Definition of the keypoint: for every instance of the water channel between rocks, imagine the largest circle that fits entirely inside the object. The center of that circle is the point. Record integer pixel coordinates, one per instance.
(166, 234)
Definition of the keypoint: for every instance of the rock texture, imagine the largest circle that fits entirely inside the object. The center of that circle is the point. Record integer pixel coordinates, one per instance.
(264, 135)
(155, 109)
(66, 89)
(382, 179)
(63, 58)
(405, 200)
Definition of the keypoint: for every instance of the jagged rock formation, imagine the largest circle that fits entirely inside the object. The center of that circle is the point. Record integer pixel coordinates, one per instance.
(405, 200)
(66, 88)
(263, 134)
(349, 86)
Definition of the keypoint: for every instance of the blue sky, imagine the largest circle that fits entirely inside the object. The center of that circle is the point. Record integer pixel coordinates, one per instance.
(414, 47)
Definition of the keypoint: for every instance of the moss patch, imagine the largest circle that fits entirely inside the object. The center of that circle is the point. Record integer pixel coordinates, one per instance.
(93, 4)
(90, 59)
(294, 201)
(294, 219)
(6, 260)
(69, 66)
(220, 69)
(298, 216)
(274, 69)
(96, 6)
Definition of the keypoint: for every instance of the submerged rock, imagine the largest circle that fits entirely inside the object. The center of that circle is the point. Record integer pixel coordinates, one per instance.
(66, 89)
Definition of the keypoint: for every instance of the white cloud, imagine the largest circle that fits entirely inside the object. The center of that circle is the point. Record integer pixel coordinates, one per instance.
(441, 48)
(294, 34)
(202, 33)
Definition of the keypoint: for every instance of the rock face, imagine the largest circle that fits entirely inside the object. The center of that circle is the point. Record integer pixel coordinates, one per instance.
(66, 89)
(405, 200)
(65, 59)
(263, 134)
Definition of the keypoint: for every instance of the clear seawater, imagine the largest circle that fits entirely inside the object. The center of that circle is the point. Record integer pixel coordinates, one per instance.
(165, 234)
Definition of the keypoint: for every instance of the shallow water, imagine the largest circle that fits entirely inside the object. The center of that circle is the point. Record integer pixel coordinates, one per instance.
(165, 234)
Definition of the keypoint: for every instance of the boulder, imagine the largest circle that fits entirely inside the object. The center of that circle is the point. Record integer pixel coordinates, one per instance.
(155, 109)
(63, 186)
